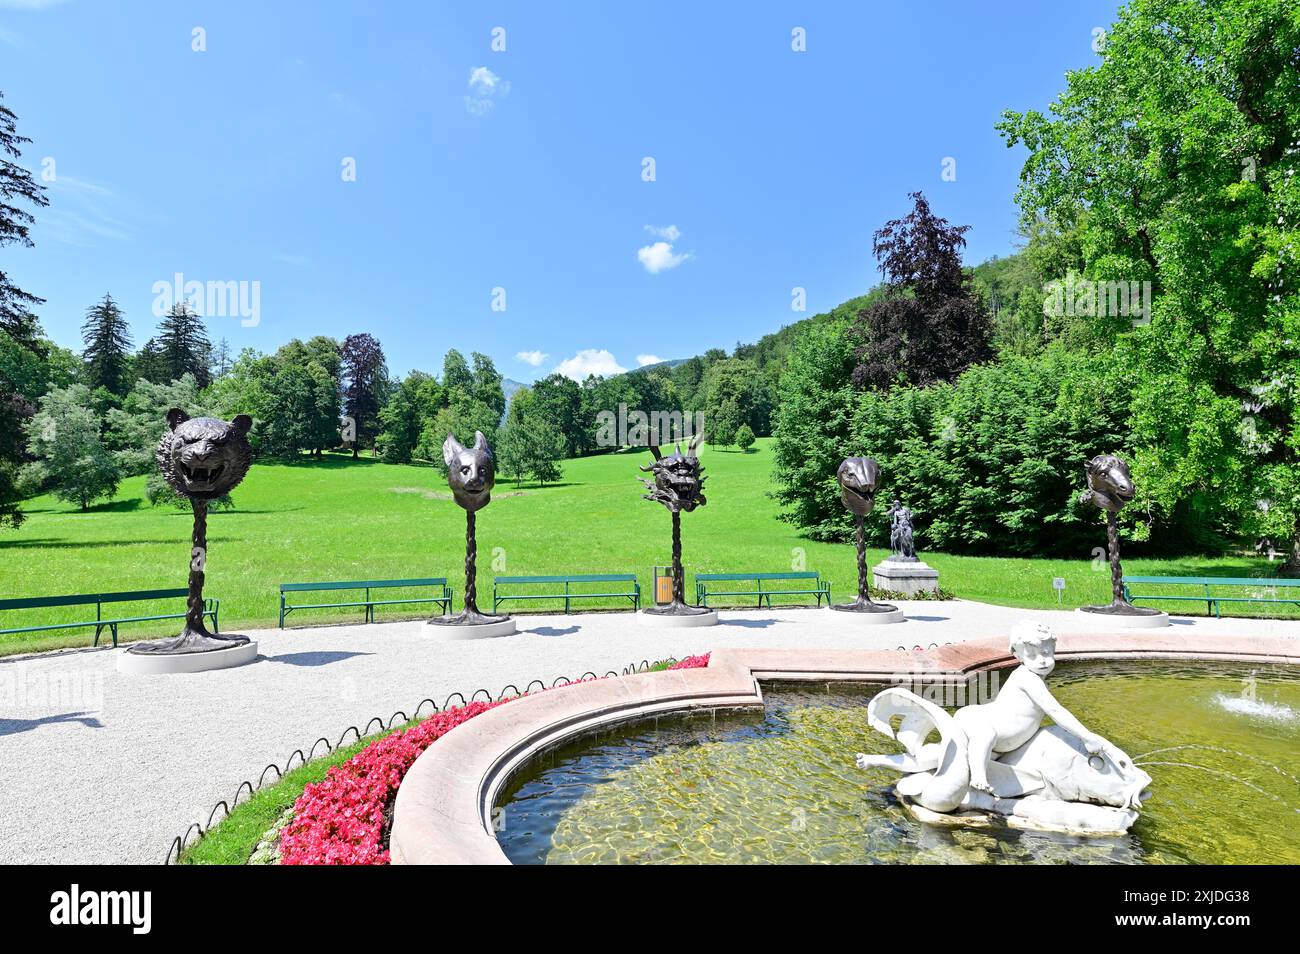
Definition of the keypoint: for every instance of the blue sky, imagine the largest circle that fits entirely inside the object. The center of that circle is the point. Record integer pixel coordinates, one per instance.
(522, 170)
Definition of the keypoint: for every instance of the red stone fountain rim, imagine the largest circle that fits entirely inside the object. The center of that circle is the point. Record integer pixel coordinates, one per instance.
(443, 813)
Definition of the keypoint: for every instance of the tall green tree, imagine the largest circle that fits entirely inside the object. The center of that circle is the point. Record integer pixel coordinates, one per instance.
(107, 355)
(1174, 162)
(182, 345)
(530, 445)
(365, 377)
(930, 325)
(72, 461)
(19, 327)
(18, 187)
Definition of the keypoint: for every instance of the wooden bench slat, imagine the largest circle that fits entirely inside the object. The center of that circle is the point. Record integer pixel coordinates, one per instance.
(733, 577)
(360, 584)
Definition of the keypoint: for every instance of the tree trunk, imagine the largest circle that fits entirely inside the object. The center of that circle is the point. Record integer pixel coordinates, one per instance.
(1292, 565)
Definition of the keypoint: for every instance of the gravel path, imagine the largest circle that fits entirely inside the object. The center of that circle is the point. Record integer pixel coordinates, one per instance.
(98, 767)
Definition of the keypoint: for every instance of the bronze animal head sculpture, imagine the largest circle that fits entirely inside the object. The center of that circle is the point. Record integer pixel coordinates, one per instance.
(471, 471)
(678, 478)
(1110, 486)
(858, 477)
(203, 457)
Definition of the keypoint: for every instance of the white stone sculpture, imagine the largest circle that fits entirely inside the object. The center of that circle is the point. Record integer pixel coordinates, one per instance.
(997, 759)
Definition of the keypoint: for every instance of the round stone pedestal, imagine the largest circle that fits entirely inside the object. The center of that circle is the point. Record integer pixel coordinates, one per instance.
(668, 621)
(152, 664)
(1109, 620)
(499, 627)
(853, 618)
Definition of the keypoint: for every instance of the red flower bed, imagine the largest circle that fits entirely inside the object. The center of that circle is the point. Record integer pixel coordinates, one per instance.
(341, 819)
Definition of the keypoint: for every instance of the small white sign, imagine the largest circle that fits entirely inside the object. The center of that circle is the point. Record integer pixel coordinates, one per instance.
(1058, 582)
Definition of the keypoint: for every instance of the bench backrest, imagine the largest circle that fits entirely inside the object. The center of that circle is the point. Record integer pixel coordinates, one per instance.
(582, 578)
(1216, 580)
(360, 584)
(711, 577)
(84, 599)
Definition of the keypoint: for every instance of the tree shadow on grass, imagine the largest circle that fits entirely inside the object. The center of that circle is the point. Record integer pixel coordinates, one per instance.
(14, 726)
(52, 544)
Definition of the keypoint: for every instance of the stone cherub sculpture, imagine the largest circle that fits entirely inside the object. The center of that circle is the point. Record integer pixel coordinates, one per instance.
(901, 545)
(997, 759)
(471, 474)
(858, 478)
(677, 482)
(1110, 487)
(202, 459)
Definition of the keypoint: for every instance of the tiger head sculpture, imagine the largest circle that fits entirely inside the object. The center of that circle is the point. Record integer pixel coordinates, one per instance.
(204, 458)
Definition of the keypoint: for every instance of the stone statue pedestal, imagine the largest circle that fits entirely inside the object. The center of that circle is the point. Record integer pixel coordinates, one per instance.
(908, 577)
(1104, 617)
(154, 664)
(678, 620)
(446, 627)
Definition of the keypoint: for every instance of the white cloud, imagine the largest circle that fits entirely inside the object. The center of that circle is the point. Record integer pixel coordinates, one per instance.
(589, 361)
(535, 358)
(644, 359)
(484, 88)
(660, 256)
(670, 232)
(82, 212)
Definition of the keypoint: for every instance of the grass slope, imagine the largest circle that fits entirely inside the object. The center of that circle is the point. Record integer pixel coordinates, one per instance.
(335, 519)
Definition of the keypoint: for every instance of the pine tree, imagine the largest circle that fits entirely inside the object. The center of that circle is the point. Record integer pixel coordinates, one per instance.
(221, 361)
(183, 345)
(17, 185)
(16, 319)
(149, 363)
(108, 346)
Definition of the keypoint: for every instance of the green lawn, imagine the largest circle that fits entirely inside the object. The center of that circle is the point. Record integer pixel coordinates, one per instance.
(335, 519)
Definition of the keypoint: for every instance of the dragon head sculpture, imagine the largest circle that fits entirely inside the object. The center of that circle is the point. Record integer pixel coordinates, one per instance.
(203, 458)
(858, 477)
(471, 471)
(1110, 486)
(678, 478)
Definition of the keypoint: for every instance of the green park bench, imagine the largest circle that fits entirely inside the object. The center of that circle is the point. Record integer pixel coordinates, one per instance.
(365, 586)
(210, 608)
(633, 593)
(704, 588)
(1212, 599)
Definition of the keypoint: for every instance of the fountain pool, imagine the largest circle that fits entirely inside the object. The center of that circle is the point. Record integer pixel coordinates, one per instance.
(1220, 740)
